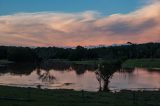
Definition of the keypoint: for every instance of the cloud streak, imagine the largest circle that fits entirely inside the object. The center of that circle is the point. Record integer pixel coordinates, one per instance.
(85, 28)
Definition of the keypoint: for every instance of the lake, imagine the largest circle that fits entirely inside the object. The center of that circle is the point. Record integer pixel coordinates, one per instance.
(79, 77)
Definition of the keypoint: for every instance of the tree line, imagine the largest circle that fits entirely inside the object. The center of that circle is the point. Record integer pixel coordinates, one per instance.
(121, 52)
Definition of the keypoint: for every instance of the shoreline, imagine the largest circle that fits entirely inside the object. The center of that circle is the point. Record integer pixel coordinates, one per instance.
(142, 63)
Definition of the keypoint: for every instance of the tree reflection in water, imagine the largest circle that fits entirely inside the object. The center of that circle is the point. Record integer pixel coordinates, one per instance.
(46, 76)
(103, 74)
(19, 68)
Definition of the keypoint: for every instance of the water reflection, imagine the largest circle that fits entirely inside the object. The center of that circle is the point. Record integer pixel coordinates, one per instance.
(18, 69)
(136, 79)
(46, 77)
(61, 75)
(103, 75)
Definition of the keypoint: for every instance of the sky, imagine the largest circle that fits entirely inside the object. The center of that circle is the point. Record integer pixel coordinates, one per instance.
(78, 22)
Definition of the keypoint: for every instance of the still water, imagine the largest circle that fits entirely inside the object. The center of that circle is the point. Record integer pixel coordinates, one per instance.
(79, 78)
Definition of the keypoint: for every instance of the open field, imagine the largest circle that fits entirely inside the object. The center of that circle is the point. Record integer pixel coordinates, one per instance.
(4, 62)
(12, 96)
(144, 63)
(88, 62)
(96, 62)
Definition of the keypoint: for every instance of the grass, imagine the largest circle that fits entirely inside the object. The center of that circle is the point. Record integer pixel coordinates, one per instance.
(95, 62)
(82, 62)
(4, 62)
(88, 62)
(144, 63)
(12, 96)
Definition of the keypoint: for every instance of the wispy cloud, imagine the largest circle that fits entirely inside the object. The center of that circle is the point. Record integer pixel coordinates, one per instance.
(85, 28)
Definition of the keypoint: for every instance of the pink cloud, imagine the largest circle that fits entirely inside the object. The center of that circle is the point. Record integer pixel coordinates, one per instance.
(86, 28)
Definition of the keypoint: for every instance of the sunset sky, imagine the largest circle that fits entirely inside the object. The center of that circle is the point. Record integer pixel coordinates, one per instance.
(78, 22)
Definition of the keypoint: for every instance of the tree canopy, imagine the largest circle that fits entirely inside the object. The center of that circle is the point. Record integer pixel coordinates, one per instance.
(122, 52)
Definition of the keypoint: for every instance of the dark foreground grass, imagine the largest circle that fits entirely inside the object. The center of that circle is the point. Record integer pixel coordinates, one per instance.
(144, 63)
(12, 96)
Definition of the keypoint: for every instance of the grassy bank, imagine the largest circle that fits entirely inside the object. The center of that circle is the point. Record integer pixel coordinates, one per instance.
(144, 63)
(96, 62)
(88, 62)
(11, 96)
(4, 62)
